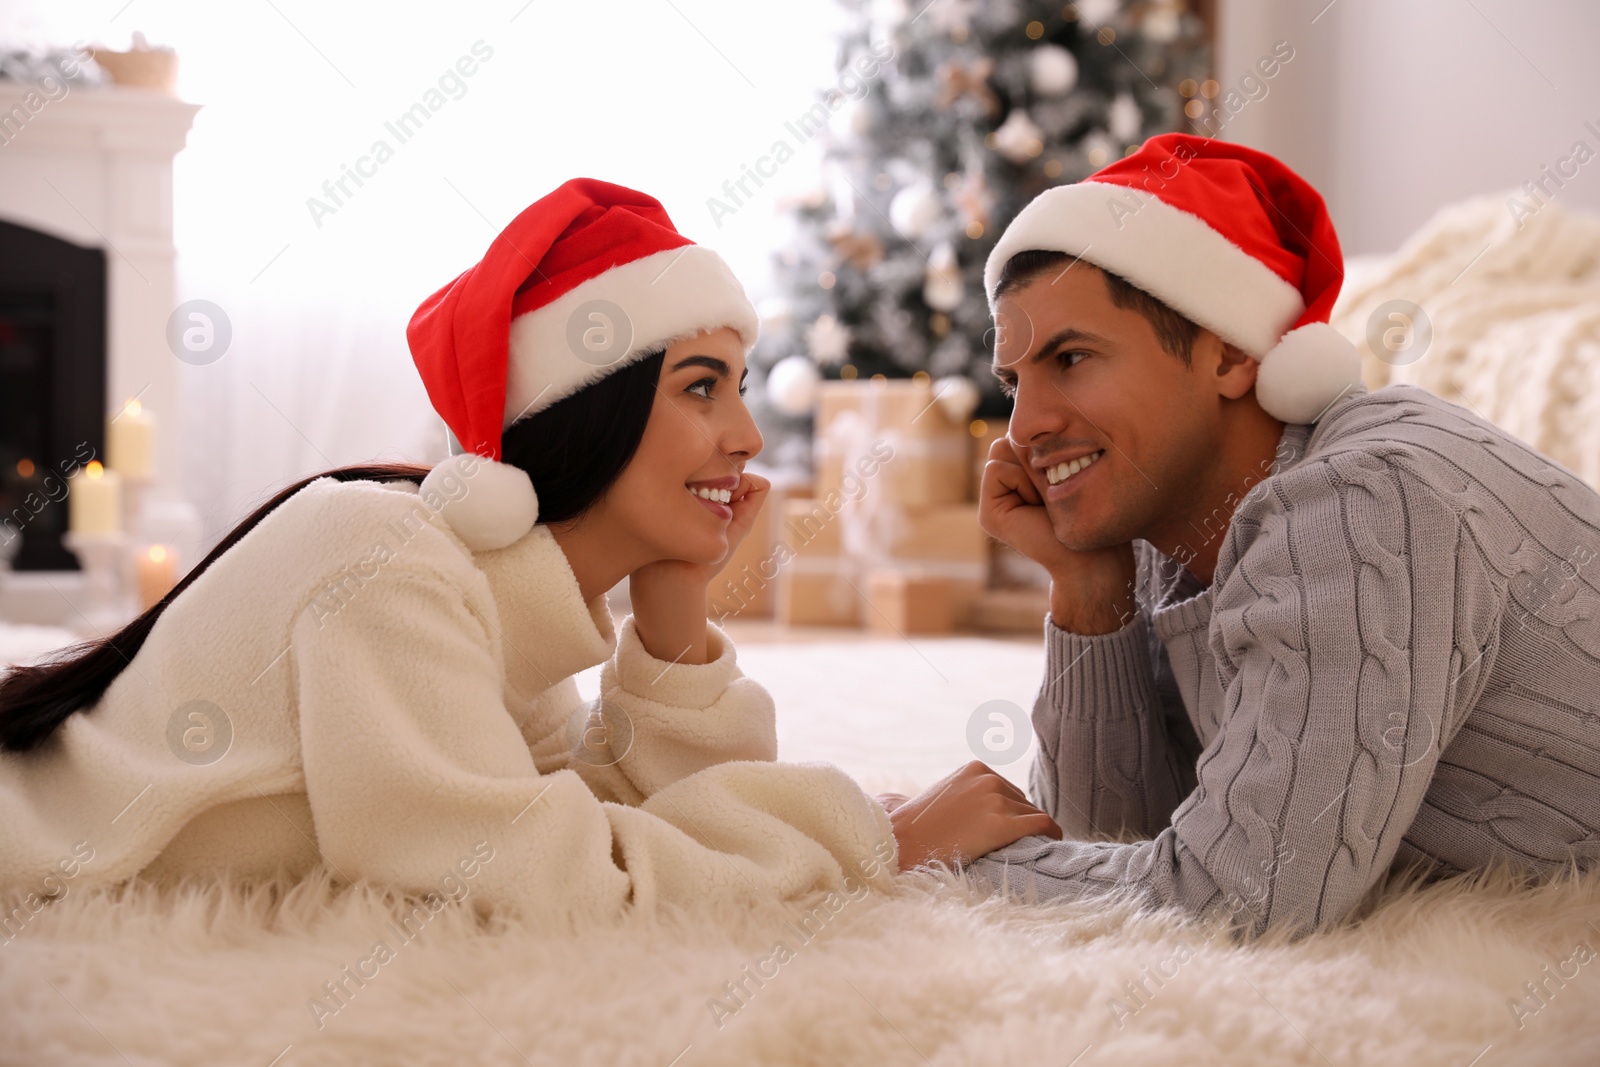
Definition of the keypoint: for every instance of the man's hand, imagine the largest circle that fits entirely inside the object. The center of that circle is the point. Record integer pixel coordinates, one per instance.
(1090, 592)
(964, 815)
(669, 595)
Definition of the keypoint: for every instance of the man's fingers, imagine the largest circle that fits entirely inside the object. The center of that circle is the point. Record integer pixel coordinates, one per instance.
(1002, 479)
(1000, 448)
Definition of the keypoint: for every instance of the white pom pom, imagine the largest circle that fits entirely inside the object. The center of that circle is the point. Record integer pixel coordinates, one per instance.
(792, 384)
(958, 397)
(1306, 372)
(489, 505)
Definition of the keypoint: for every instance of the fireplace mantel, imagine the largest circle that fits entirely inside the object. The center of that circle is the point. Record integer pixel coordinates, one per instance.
(94, 167)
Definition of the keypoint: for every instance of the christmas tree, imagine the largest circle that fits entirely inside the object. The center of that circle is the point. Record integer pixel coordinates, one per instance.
(952, 116)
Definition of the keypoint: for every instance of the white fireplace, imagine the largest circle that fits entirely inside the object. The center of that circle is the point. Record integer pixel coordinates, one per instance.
(94, 167)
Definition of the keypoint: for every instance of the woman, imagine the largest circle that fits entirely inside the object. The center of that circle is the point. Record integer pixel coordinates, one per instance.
(375, 669)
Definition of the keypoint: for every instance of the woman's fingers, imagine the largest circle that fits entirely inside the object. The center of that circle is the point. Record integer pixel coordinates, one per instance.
(751, 483)
(970, 812)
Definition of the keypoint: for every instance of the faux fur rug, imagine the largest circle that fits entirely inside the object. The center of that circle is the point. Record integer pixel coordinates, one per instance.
(1454, 973)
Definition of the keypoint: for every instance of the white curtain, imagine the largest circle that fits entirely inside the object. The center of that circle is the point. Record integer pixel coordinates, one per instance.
(673, 97)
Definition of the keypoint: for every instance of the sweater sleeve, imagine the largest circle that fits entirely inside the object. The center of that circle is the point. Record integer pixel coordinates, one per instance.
(657, 721)
(414, 766)
(1104, 766)
(1352, 635)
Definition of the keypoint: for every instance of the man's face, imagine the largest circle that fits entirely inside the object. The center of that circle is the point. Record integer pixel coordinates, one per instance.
(1091, 379)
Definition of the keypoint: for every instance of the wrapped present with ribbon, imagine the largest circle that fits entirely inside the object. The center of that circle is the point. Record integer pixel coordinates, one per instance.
(832, 552)
(925, 455)
(815, 583)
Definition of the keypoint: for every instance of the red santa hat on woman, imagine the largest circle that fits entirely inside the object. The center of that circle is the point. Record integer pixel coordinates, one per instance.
(585, 281)
(1228, 237)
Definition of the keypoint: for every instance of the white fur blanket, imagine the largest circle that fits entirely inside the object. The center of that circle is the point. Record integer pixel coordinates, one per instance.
(940, 974)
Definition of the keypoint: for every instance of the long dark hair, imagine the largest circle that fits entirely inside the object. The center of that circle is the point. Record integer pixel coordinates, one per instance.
(574, 451)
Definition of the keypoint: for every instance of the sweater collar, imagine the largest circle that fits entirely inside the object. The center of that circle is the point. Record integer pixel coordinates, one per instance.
(549, 632)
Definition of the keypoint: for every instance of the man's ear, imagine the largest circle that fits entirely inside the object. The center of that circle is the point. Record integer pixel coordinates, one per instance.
(1236, 371)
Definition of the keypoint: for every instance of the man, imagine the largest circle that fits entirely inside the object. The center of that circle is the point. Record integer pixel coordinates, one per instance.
(1298, 631)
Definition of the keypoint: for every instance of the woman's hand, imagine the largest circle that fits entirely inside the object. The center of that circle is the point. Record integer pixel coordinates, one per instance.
(890, 801)
(964, 815)
(669, 595)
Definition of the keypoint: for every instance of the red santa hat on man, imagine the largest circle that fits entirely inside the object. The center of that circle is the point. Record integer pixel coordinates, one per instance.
(1228, 237)
(583, 282)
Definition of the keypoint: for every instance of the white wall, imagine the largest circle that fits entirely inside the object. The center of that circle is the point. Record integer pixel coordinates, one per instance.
(1394, 107)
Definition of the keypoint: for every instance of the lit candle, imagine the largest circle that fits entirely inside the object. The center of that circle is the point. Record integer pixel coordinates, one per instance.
(130, 441)
(156, 575)
(94, 500)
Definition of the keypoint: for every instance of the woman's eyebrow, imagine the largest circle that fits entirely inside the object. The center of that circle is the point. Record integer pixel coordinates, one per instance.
(711, 363)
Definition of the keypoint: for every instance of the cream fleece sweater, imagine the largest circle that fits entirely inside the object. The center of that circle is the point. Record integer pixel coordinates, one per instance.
(377, 695)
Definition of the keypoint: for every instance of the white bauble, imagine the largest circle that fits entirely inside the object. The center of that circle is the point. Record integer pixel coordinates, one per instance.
(957, 396)
(1095, 12)
(914, 209)
(1099, 148)
(854, 118)
(942, 287)
(1052, 70)
(1161, 24)
(1019, 138)
(792, 384)
(1123, 118)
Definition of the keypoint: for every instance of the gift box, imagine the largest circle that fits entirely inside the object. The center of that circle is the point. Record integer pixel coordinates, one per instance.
(992, 430)
(1009, 568)
(745, 586)
(939, 535)
(906, 602)
(1011, 611)
(815, 583)
(890, 438)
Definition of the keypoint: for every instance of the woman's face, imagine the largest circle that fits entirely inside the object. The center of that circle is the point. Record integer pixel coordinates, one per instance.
(698, 439)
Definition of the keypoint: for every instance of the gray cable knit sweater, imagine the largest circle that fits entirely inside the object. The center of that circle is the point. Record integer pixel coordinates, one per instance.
(1398, 659)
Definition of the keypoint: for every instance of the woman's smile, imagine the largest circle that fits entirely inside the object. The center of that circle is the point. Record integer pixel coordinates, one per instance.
(715, 494)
